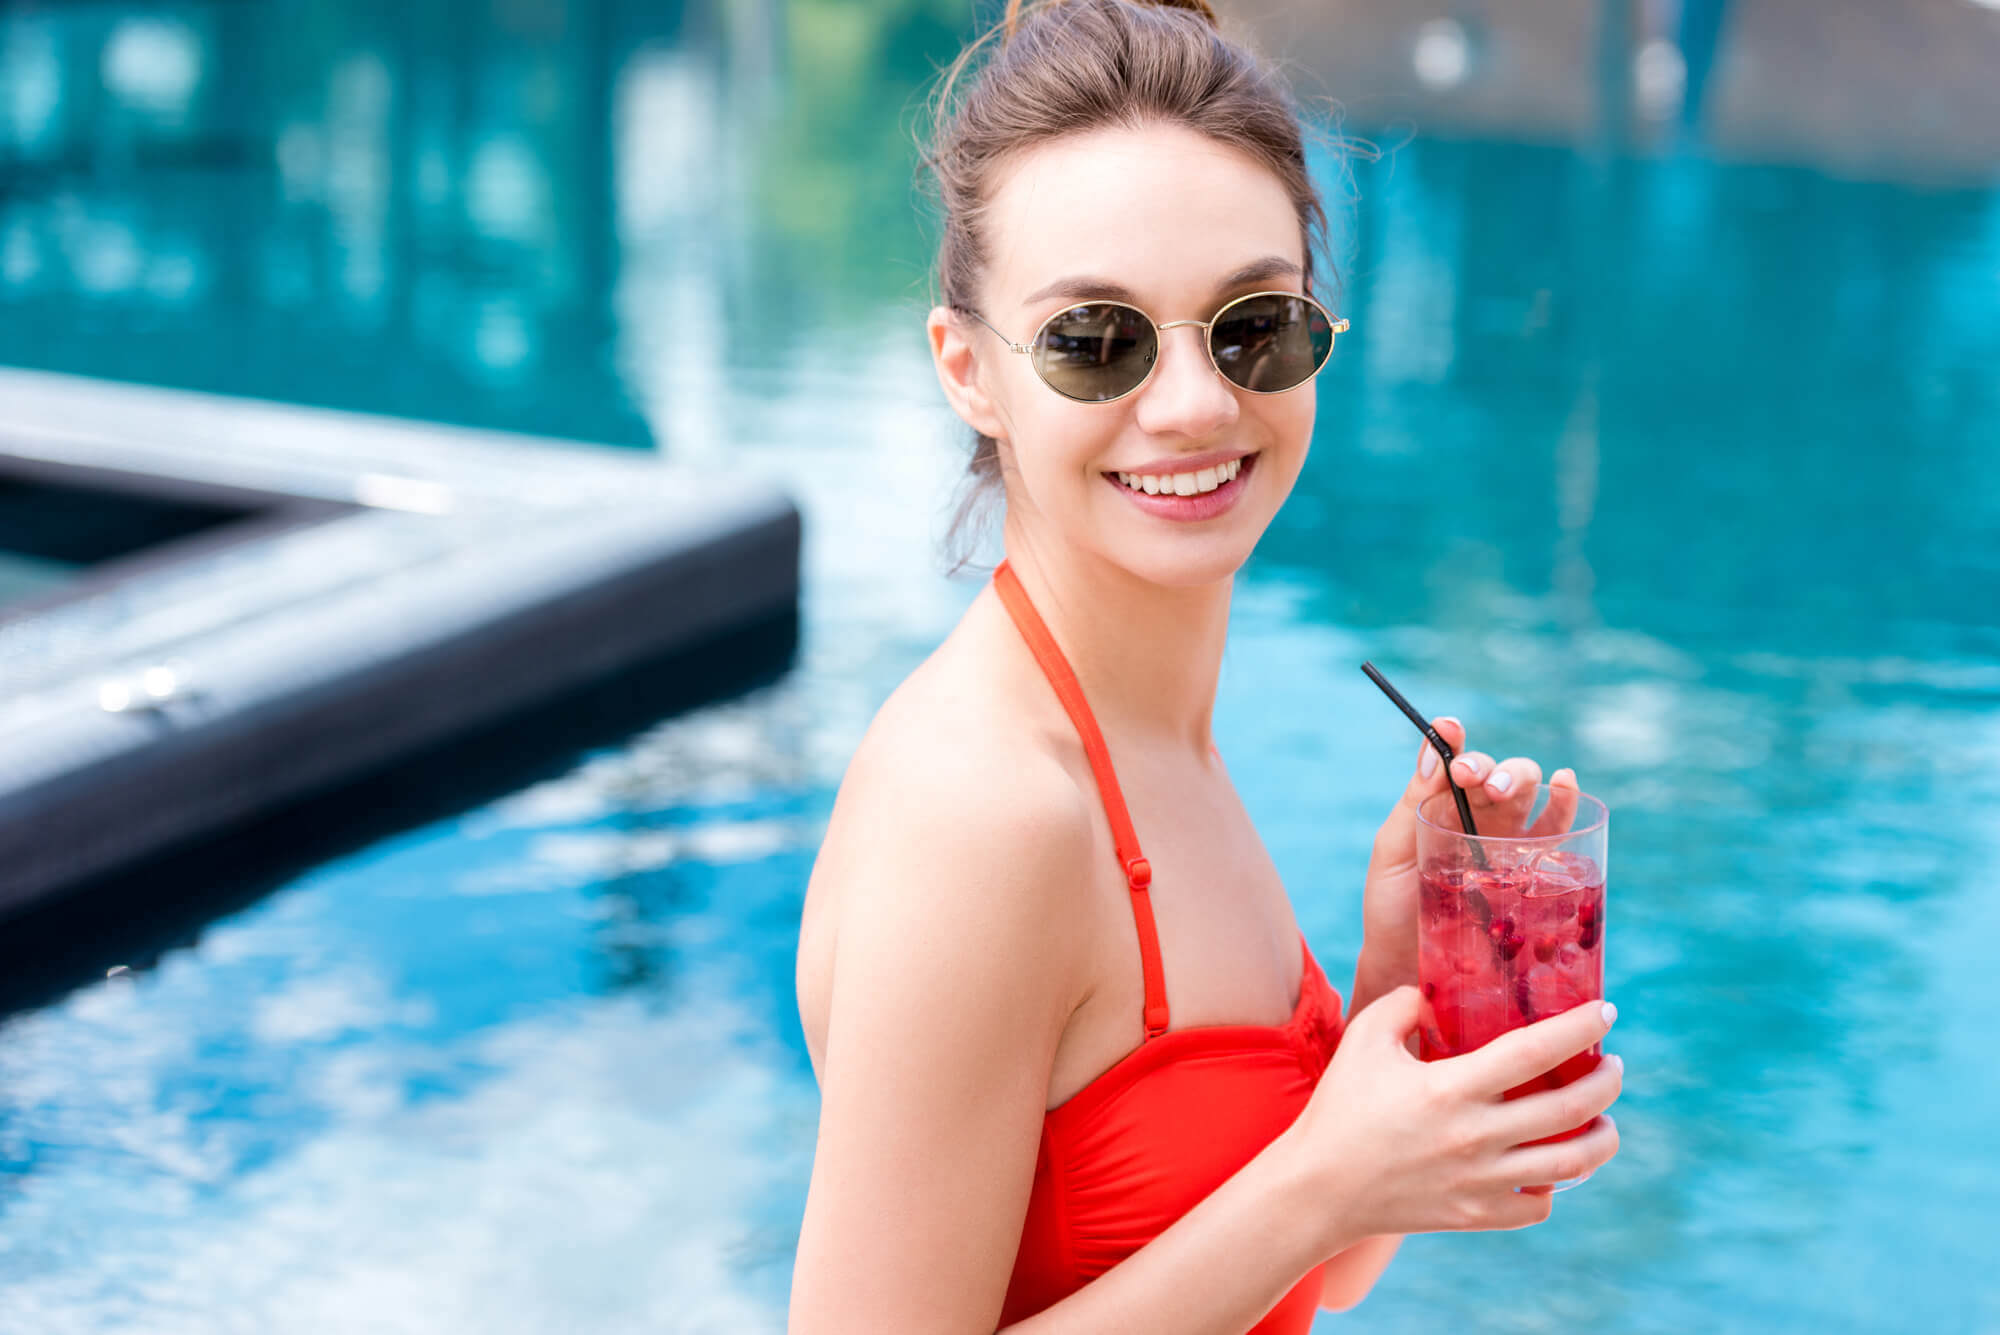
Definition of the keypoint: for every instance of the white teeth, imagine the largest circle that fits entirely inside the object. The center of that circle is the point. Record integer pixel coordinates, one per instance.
(1183, 484)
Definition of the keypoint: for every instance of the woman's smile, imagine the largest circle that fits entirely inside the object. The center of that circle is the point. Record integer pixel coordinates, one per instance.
(1202, 494)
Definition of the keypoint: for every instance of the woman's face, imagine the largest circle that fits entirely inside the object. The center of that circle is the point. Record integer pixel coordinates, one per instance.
(1176, 224)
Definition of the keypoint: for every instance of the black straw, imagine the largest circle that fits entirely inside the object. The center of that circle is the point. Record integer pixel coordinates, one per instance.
(1436, 740)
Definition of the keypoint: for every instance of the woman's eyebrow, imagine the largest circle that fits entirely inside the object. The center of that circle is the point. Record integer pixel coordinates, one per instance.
(1082, 285)
(1258, 271)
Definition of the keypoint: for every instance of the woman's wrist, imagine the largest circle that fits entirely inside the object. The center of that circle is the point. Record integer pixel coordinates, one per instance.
(1375, 975)
(1307, 1193)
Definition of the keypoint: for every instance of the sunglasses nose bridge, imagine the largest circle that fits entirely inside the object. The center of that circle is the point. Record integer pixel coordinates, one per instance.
(1202, 325)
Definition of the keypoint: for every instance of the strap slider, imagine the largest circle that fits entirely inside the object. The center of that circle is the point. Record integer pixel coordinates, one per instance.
(1139, 872)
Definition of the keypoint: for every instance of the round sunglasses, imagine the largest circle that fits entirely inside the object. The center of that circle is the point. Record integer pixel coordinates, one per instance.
(1097, 351)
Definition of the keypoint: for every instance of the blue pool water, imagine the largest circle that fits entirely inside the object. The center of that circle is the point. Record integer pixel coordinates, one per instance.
(1679, 472)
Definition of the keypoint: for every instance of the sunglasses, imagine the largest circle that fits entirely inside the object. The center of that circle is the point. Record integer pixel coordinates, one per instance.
(1266, 342)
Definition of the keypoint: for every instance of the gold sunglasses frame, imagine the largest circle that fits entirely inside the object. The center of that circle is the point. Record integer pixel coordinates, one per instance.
(1338, 326)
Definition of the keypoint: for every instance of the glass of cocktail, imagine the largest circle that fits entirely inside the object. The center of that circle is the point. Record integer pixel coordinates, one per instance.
(1511, 927)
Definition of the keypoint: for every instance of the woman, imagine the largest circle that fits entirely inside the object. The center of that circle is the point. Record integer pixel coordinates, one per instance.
(1078, 1070)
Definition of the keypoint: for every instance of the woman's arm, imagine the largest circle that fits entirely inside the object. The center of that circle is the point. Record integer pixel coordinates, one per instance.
(1349, 1276)
(956, 965)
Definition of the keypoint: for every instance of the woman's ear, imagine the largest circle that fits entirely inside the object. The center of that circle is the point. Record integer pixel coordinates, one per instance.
(957, 365)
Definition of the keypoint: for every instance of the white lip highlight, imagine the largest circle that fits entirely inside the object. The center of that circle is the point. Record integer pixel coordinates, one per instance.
(1182, 484)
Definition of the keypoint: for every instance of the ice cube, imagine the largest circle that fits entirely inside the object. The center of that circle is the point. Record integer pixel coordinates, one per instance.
(1482, 1018)
(1550, 991)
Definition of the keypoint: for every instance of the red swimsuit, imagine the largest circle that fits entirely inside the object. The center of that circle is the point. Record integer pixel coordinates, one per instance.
(1147, 1140)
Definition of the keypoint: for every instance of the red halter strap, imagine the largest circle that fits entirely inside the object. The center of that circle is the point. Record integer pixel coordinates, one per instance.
(1138, 872)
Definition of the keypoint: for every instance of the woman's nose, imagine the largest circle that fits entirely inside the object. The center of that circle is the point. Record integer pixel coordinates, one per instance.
(1186, 396)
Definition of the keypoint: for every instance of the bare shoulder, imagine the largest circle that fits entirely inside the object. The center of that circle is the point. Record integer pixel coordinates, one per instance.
(961, 833)
(940, 960)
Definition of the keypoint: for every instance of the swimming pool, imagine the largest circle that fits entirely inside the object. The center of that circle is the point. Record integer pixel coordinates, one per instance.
(1676, 471)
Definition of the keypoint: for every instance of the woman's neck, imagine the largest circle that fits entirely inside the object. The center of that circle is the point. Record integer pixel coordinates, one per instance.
(1147, 657)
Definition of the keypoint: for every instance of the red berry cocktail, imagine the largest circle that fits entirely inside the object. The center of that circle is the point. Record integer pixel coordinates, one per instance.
(1510, 927)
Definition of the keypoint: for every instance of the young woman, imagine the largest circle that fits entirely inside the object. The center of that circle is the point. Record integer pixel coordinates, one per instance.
(1079, 1071)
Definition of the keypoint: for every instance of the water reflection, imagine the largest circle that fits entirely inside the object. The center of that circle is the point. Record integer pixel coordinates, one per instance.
(1649, 352)
(406, 212)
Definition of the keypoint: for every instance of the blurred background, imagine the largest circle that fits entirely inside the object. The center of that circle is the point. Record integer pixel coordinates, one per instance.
(1664, 445)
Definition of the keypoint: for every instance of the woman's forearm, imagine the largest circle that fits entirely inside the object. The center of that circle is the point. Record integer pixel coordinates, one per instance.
(1376, 976)
(1350, 1275)
(1221, 1266)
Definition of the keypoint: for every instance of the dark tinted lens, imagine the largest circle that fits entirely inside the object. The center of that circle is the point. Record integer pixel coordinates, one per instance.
(1096, 351)
(1271, 342)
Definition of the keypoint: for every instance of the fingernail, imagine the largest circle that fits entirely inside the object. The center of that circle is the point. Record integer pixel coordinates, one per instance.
(1469, 767)
(1614, 1057)
(1429, 764)
(1501, 781)
(1610, 1013)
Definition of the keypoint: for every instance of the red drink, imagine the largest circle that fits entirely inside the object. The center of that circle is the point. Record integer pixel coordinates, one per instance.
(1501, 947)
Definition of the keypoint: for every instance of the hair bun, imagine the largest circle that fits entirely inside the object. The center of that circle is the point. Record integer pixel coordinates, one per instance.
(1014, 13)
(1201, 7)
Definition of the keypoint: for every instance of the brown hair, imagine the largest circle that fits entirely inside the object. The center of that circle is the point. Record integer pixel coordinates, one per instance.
(1071, 66)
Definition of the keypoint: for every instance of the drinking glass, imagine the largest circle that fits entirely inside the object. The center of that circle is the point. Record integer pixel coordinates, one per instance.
(1510, 929)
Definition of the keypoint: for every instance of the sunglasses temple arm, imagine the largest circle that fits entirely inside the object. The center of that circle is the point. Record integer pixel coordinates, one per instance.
(1012, 346)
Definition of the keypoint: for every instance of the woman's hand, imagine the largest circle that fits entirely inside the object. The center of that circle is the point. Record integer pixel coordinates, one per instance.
(1500, 796)
(1395, 1145)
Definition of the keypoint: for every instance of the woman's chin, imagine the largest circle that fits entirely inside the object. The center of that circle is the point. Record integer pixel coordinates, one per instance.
(1184, 562)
